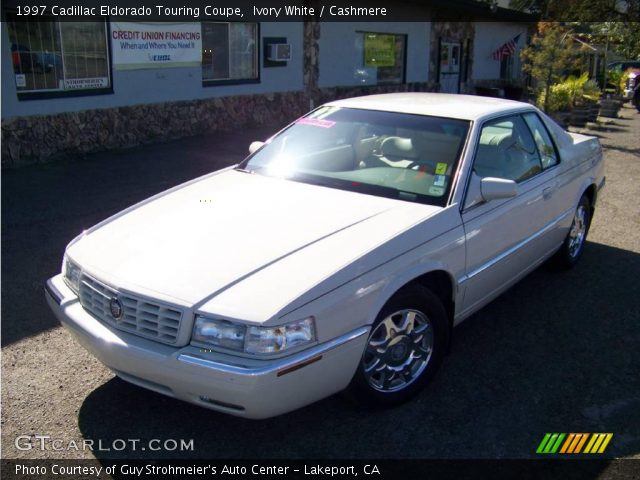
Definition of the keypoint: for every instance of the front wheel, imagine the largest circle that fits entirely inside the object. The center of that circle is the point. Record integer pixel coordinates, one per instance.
(404, 349)
(573, 245)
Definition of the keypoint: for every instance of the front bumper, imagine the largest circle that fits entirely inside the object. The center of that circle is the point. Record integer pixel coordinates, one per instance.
(628, 93)
(243, 387)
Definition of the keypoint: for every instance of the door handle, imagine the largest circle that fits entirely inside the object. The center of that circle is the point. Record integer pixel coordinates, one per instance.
(548, 192)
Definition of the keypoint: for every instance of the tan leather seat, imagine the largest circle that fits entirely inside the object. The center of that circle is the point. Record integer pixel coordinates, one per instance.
(397, 149)
(491, 158)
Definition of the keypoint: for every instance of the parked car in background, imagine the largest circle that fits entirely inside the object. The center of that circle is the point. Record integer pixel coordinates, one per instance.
(623, 65)
(340, 254)
(632, 87)
(25, 61)
(630, 90)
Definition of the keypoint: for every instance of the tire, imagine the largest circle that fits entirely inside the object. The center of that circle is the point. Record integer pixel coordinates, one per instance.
(573, 245)
(413, 322)
(636, 100)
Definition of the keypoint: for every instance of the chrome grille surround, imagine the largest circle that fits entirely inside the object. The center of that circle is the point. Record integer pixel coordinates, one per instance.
(147, 318)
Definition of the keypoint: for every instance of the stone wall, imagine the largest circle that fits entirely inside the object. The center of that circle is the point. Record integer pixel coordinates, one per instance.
(33, 139)
(311, 48)
(40, 138)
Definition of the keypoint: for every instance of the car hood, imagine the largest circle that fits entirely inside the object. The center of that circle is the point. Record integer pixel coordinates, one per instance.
(198, 240)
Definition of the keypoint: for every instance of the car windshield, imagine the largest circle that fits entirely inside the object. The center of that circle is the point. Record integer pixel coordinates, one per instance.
(396, 155)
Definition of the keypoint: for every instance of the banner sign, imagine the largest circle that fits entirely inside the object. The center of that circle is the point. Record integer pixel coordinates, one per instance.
(379, 50)
(80, 83)
(155, 45)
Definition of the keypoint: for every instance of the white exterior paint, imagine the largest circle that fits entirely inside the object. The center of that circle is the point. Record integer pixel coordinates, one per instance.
(464, 107)
(268, 251)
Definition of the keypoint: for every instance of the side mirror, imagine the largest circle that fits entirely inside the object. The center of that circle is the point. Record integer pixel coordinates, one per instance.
(496, 188)
(255, 146)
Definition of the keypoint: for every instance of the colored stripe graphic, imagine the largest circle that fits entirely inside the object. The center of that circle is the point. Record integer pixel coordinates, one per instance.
(598, 442)
(581, 442)
(568, 443)
(543, 443)
(606, 442)
(551, 443)
(556, 445)
(576, 443)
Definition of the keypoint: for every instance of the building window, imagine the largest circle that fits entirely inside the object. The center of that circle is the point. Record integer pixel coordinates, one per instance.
(229, 52)
(506, 67)
(383, 60)
(53, 57)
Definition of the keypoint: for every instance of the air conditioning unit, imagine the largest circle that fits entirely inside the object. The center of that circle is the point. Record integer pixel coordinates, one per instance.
(279, 52)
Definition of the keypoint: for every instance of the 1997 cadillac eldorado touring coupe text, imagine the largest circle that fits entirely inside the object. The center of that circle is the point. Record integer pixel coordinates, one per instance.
(340, 254)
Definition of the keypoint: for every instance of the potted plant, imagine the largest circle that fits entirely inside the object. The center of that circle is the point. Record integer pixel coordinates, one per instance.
(558, 104)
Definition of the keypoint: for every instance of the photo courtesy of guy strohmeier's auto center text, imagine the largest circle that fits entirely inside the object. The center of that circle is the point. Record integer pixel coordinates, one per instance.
(320, 238)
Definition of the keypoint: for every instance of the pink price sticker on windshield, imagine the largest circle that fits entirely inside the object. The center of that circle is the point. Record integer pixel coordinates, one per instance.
(316, 122)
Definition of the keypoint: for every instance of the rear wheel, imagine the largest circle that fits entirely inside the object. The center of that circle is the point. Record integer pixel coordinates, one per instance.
(573, 245)
(404, 349)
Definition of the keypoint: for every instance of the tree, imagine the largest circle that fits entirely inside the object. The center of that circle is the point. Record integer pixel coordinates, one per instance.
(615, 23)
(623, 37)
(627, 11)
(549, 57)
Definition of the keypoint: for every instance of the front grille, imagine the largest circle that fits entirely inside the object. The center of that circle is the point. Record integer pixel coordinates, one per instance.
(142, 317)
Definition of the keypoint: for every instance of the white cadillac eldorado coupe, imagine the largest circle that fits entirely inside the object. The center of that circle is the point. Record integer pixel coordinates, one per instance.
(339, 255)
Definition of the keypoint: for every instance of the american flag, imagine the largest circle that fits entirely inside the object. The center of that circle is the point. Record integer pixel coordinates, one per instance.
(507, 49)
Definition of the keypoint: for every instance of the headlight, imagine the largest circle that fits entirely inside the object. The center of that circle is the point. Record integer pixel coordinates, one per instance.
(254, 340)
(220, 333)
(72, 273)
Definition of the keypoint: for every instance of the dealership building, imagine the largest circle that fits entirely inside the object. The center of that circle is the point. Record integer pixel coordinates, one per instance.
(74, 87)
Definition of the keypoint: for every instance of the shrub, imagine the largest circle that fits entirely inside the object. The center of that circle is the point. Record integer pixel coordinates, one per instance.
(591, 90)
(559, 98)
(570, 92)
(615, 79)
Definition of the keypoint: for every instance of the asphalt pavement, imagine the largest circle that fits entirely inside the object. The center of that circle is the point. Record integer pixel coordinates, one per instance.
(556, 353)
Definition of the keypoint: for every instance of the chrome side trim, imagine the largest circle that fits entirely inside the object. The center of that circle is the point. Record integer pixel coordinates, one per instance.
(279, 364)
(53, 292)
(515, 248)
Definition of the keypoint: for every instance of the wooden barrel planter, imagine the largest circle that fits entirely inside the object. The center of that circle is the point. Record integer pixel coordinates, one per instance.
(561, 118)
(609, 108)
(579, 116)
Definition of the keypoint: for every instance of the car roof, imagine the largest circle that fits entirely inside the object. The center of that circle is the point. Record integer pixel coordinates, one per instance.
(623, 63)
(465, 107)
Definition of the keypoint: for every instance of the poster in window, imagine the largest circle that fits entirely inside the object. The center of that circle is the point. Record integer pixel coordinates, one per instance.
(379, 50)
(50, 55)
(138, 45)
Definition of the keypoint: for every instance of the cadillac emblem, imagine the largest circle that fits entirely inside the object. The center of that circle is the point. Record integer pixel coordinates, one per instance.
(116, 308)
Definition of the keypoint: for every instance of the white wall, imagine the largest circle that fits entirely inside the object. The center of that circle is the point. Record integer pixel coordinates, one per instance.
(341, 50)
(489, 37)
(134, 87)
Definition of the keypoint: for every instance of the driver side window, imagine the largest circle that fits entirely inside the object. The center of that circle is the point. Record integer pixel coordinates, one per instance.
(507, 150)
